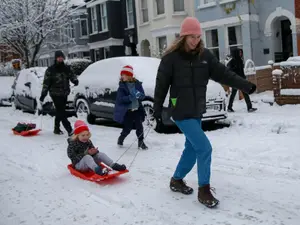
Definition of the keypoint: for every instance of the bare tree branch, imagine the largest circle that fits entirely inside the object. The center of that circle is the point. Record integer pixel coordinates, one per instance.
(26, 25)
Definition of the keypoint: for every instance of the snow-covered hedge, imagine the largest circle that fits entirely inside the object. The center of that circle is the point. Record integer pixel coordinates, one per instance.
(78, 65)
(7, 70)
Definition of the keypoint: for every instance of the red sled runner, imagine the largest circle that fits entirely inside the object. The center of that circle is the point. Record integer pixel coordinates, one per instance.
(91, 176)
(26, 129)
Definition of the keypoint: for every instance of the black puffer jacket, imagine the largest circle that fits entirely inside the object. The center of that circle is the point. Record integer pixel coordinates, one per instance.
(57, 80)
(187, 76)
(236, 64)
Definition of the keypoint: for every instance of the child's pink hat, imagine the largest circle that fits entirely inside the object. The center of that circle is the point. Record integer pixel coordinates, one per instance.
(80, 126)
(190, 26)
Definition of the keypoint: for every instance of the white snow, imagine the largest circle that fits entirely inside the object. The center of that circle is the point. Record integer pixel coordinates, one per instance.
(294, 59)
(105, 104)
(270, 62)
(255, 170)
(263, 67)
(290, 63)
(105, 74)
(277, 72)
(289, 91)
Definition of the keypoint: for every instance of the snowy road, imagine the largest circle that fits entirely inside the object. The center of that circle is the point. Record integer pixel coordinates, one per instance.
(256, 173)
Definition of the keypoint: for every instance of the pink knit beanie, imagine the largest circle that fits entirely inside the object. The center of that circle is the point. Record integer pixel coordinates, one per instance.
(190, 26)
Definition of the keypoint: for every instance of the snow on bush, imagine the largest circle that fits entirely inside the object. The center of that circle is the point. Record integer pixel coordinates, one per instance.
(105, 74)
(277, 72)
(78, 65)
(270, 62)
(7, 70)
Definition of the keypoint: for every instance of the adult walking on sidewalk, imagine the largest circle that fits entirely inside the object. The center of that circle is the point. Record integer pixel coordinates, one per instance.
(186, 68)
(236, 64)
(57, 82)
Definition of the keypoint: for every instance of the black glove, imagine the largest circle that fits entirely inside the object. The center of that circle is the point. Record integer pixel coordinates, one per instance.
(42, 98)
(253, 89)
(76, 82)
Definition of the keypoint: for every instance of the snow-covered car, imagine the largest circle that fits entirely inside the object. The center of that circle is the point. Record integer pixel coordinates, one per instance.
(28, 89)
(97, 90)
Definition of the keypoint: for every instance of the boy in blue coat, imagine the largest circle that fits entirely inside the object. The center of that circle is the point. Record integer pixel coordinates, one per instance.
(129, 110)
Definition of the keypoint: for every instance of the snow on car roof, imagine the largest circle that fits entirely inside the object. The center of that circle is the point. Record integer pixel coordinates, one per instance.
(106, 74)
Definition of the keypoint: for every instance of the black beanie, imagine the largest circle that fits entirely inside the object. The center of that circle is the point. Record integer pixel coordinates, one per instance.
(59, 54)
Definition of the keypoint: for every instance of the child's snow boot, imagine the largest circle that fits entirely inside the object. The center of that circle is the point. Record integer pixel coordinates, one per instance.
(206, 198)
(180, 186)
(142, 145)
(118, 167)
(101, 171)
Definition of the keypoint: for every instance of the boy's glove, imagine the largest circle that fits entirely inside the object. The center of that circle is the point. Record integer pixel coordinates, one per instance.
(139, 95)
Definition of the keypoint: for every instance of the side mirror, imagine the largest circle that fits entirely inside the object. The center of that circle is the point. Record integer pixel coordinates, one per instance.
(28, 84)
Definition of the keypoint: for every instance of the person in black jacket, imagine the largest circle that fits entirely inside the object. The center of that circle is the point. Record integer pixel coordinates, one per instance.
(236, 64)
(186, 68)
(57, 82)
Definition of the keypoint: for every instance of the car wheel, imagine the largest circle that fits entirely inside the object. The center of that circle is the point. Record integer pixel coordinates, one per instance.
(83, 111)
(150, 121)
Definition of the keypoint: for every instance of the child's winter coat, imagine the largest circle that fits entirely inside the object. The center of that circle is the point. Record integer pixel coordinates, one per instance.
(77, 149)
(124, 101)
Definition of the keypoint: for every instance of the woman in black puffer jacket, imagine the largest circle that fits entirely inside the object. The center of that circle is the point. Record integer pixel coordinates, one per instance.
(186, 69)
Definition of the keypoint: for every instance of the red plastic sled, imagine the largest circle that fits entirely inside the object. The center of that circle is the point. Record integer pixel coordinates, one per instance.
(91, 176)
(27, 132)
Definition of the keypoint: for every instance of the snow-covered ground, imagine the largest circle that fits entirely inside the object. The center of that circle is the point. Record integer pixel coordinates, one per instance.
(256, 173)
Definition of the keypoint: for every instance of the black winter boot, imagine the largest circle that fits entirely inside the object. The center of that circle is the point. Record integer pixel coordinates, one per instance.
(180, 186)
(101, 171)
(142, 145)
(118, 167)
(206, 198)
(58, 131)
(121, 140)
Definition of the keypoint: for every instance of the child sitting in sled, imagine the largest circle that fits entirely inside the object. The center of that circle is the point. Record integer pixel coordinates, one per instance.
(85, 156)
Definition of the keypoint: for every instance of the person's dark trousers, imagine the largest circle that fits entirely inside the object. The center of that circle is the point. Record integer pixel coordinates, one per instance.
(246, 97)
(133, 118)
(61, 116)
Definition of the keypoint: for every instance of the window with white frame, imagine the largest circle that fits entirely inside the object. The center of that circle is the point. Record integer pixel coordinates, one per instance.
(178, 5)
(103, 13)
(129, 12)
(159, 7)
(162, 45)
(212, 42)
(94, 19)
(235, 39)
(144, 11)
(83, 27)
(207, 2)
